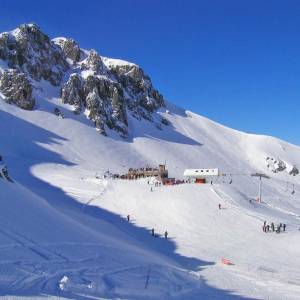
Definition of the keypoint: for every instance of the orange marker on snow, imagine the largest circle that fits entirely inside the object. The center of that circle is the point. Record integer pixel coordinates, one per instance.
(226, 261)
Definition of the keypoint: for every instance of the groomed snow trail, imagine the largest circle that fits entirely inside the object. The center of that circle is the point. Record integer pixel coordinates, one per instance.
(63, 232)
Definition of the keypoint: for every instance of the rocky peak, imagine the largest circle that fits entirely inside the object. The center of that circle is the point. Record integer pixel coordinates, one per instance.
(109, 89)
(139, 87)
(30, 51)
(70, 48)
(93, 62)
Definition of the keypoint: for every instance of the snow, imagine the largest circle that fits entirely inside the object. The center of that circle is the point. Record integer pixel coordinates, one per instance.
(64, 232)
(115, 62)
(3, 65)
(59, 39)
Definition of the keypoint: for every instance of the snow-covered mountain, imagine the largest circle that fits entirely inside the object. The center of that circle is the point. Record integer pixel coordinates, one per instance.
(64, 230)
(108, 89)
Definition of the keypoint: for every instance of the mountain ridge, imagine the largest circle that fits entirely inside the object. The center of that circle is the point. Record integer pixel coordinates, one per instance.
(108, 89)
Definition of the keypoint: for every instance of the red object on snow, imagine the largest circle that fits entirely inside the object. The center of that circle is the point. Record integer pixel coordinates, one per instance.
(200, 180)
(226, 261)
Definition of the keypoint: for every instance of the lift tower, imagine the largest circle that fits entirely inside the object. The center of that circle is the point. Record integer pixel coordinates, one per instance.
(260, 175)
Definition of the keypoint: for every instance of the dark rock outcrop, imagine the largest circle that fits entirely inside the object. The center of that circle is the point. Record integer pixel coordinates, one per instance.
(102, 97)
(144, 99)
(275, 165)
(93, 62)
(294, 171)
(109, 91)
(72, 92)
(30, 51)
(17, 89)
(70, 49)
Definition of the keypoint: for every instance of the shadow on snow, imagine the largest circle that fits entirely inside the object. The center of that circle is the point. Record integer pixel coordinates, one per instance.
(28, 151)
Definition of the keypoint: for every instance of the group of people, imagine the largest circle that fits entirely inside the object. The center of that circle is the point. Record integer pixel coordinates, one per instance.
(273, 228)
(156, 184)
(58, 112)
(152, 230)
(156, 235)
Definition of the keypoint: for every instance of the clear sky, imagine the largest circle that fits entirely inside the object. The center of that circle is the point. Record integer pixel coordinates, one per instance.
(234, 61)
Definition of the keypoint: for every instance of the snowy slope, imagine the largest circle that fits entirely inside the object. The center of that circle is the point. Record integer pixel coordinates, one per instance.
(63, 231)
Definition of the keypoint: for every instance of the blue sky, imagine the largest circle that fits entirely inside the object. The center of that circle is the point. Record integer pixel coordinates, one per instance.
(234, 61)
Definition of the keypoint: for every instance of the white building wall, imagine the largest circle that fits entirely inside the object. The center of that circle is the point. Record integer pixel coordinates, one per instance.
(200, 173)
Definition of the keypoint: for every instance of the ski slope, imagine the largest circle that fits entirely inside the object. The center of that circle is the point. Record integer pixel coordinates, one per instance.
(64, 231)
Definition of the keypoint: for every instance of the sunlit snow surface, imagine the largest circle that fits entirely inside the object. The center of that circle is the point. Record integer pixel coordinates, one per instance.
(64, 233)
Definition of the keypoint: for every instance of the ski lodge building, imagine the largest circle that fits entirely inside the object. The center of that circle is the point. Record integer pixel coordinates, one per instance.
(200, 175)
(160, 173)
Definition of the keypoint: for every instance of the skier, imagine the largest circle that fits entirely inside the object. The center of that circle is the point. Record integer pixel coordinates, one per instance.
(268, 228)
(166, 234)
(219, 206)
(56, 111)
(284, 227)
(278, 229)
(264, 228)
(273, 226)
(128, 218)
(152, 231)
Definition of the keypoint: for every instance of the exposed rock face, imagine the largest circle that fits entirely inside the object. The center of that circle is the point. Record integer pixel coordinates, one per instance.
(277, 165)
(17, 89)
(108, 91)
(93, 62)
(102, 97)
(138, 85)
(70, 49)
(72, 92)
(294, 171)
(29, 50)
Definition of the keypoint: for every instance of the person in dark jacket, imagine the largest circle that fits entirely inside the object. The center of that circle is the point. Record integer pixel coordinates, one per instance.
(278, 229)
(273, 226)
(265, 226)
(284, 227)
(128, 218)
(152, 231)
(166, 234)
